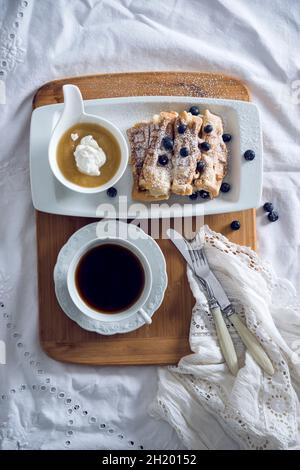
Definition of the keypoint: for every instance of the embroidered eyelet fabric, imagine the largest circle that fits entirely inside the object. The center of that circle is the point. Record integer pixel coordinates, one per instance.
(49, 405)
(253, 409)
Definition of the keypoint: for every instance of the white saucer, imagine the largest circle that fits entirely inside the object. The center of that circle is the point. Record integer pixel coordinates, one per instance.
(136, 236)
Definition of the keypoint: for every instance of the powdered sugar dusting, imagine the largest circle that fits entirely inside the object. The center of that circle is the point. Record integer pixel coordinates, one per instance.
(180, 172)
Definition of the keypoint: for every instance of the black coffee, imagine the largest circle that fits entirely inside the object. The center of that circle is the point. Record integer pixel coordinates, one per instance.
(110, 278)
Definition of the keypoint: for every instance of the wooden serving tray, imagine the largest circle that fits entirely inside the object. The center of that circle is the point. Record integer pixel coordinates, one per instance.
(166, 340)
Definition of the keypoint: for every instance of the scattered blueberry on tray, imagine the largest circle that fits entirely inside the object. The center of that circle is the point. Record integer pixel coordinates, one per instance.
(200, 166)
(181, 128)
(194, 110)
(273, 216)
(205, 146)
(249, 155)
(225, 187)
(163, 160)
(184, 152)
(112, 192)
(268, 206)
(235, 225)
(226, 137)
(168, 143)
(208, 128)
(203, 194)
(193, 196)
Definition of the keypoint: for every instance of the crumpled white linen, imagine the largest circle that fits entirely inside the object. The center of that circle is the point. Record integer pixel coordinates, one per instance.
(208, 406)
(45, 40)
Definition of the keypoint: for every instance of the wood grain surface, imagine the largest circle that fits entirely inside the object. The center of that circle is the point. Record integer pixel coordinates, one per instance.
(166, 340)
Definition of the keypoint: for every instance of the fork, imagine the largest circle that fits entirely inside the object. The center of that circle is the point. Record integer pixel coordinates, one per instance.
(202, 270)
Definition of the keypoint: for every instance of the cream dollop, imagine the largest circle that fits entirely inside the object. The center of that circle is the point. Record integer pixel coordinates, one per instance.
(74, 136)
(89, 156)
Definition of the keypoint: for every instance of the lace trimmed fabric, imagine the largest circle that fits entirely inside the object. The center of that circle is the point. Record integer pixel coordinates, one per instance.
(252, 410)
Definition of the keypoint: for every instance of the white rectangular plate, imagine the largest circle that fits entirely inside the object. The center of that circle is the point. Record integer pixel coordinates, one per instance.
(240, 118)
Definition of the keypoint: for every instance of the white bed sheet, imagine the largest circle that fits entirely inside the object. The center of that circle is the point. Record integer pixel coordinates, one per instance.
(45, 404)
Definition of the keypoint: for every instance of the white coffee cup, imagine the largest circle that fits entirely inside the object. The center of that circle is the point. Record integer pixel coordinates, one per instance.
(95, 314)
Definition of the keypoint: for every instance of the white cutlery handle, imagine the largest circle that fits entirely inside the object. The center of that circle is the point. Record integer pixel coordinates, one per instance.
(225, 341)
(145, 316)
(252, 344)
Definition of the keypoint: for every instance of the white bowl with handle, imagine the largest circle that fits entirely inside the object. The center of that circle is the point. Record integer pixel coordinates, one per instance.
(73, 113)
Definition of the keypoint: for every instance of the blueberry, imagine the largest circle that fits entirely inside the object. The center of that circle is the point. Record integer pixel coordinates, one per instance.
(193, 196)
(225, 187)
(181, 128)
(163, 159)
(249, 155)
(194, 110)
(184, 152)
(273, 216)
(167, 143)
(112, 192)
(200, 166)
(208, 128)
(205, 146)
(203, 194)
(235, 225)
(268, 206)
(226, 137)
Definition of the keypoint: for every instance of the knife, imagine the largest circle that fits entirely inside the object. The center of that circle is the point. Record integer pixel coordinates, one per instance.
(225, 305)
